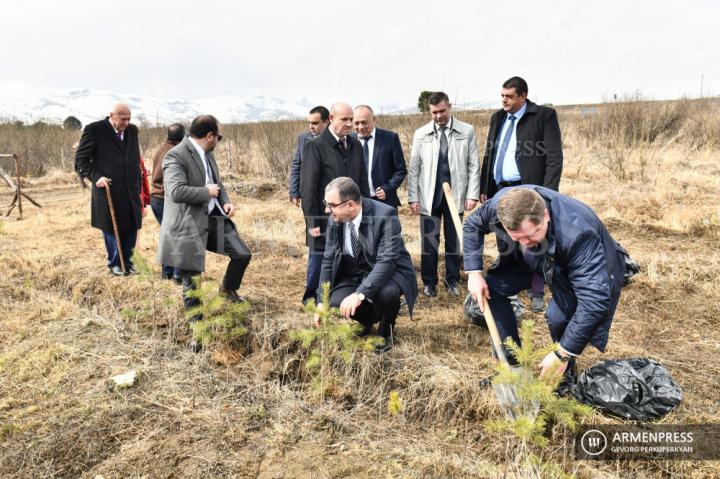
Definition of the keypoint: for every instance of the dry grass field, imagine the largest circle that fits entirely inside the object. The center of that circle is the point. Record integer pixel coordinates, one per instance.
(67, 326)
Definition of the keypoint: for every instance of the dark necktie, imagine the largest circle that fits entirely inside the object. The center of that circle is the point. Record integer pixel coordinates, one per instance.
(119, 135)
(354, 240)
(343, 143)
(503, 150)
(366, 151)
(443, 142)
(208, 170)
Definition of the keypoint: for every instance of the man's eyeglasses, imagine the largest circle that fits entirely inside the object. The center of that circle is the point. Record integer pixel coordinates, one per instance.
(331, 206)
(219, 137)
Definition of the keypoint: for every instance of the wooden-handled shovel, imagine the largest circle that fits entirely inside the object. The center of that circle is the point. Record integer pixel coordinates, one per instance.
(453, 213)
(506, 394)
(115, 228)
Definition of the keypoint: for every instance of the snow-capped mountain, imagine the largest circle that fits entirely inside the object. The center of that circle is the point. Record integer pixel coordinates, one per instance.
(29, 104)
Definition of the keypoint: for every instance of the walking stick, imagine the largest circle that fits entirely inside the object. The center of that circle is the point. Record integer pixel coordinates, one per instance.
(115, 228)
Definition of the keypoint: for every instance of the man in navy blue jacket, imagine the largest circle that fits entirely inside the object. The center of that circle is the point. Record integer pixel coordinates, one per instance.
(383, 156)
(539, 230)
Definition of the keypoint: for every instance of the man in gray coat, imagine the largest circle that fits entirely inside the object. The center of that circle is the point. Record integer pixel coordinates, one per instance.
(198, 211)
(443, 150)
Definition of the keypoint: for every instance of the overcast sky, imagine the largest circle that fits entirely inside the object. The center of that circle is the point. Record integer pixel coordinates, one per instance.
(375, 52)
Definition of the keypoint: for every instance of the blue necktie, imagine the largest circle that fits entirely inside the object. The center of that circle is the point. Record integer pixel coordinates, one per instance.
(503, 149)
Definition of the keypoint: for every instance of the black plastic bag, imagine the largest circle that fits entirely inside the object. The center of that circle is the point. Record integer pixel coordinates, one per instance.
(639, 389)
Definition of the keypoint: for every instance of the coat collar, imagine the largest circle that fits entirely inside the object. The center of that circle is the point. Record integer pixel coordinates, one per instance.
(111, 130)
(194, 154)
(429, 128)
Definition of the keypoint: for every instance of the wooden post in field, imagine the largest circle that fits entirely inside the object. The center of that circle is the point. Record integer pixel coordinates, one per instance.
(17, 199)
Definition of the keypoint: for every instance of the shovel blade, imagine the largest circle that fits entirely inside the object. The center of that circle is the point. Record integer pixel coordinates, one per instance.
(511, 404)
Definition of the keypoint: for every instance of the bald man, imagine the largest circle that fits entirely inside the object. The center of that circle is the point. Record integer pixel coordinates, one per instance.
(109, 155)
(331, 154)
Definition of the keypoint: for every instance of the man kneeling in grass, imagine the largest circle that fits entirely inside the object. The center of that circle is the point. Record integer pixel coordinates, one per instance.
(541, 231)
(365, 260)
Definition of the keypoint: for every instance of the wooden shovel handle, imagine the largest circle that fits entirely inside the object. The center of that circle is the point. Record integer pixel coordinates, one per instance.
(494, 334)
(454, 213)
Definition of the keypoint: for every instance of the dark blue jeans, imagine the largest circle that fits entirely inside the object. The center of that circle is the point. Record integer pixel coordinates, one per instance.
(127, 242)
(312, 282)
(158, 205)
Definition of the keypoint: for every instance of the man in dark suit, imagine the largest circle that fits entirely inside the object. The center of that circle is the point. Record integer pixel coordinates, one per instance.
(317, 120)
(383, 157)
(109, 155)
(332, 154)
(365, 261)
(523, 148)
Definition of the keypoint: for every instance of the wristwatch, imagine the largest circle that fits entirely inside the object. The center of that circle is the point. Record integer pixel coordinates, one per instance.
(361, 296)
(562, 358)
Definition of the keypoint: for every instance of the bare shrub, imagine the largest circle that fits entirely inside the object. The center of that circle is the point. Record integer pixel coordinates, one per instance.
(632, 120)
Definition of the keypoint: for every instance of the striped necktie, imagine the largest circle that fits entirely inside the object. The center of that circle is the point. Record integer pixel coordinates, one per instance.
(354, 240)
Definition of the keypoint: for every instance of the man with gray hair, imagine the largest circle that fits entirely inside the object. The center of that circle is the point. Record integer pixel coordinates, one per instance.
(443, 150)
(365, 261)
(540, 231)
(383, 155)
(109, 155)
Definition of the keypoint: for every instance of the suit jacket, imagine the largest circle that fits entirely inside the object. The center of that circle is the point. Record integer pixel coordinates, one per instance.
(463, 159)
(581, 263)
(158, 189)
(539, 154)
(295, 164)
(380, 237)
(100, 153)
(323, 161)
(183, 232)
(388, 165)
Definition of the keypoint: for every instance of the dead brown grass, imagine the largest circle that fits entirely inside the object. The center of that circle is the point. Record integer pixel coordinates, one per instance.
(66, 327)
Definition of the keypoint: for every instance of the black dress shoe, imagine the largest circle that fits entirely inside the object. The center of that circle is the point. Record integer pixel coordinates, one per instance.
(365, 330)
(177, 279)
(231, 296)
(166, 276)
(430, 290)
(452, 289)
(131, 269)
(383, 345)
(117, 271)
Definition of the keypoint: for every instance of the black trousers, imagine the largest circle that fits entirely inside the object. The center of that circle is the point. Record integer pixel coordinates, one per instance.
(383, 309)
(430, 232)
(222, 239)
